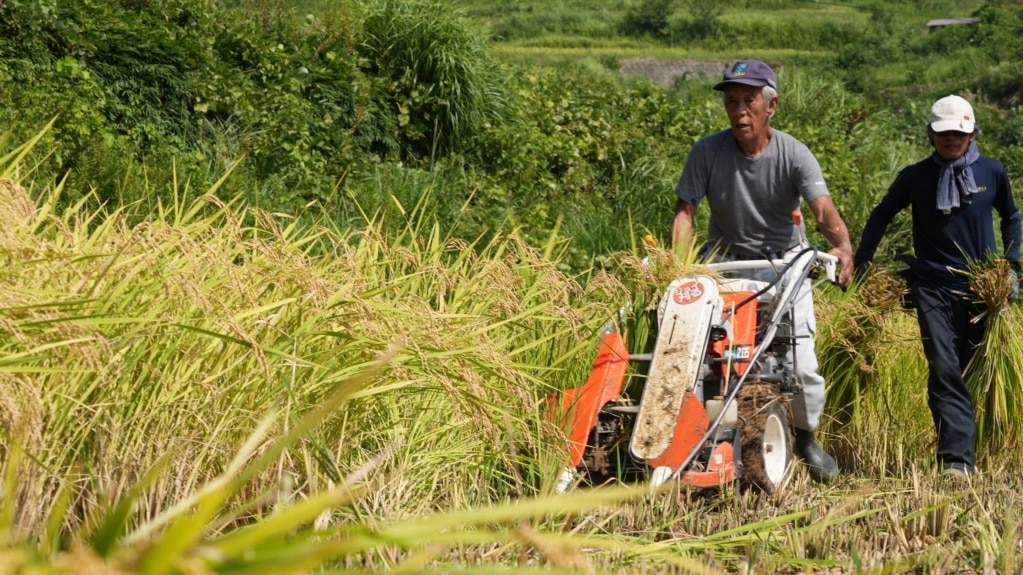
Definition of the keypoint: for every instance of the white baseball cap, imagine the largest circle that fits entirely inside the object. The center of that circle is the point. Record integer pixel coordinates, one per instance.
(952, 114)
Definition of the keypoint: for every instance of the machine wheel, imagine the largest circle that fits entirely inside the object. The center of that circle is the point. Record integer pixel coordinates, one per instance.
(767, 460)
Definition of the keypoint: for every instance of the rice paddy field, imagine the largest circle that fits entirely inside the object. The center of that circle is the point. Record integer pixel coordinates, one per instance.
(191, 384)
(218, 389)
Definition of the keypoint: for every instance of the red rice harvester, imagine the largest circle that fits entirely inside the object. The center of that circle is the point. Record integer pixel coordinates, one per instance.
(714, 406)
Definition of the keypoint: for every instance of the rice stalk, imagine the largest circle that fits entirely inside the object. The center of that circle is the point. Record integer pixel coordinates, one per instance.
(170, 337)
(995, 373)
(853, 331)
(171, 340)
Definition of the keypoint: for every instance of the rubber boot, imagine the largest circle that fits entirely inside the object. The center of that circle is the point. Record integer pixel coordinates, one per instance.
(819, 463)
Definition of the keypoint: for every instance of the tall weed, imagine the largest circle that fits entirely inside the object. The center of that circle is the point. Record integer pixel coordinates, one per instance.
(437, 71)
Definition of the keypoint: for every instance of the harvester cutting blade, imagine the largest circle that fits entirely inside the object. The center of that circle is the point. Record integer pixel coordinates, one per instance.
(670, 414)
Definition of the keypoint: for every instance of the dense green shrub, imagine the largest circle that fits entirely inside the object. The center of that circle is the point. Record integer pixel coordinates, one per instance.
(436, 74)
(649, 18)
(132, 63)
(199, 86)
(902, 59)
(113, 73)
(580, 144)
(362, 107)
(263, 75)
(695, 23)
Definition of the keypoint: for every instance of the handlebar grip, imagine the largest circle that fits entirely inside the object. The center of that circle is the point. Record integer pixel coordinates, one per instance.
(830, 263)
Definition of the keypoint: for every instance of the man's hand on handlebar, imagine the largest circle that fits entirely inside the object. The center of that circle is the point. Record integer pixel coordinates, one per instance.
(845, 266)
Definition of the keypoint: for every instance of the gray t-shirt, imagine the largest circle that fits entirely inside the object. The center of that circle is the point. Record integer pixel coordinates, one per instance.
(751, 200)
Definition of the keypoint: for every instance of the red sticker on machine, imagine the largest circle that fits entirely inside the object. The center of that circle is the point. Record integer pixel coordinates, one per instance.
(688, 292)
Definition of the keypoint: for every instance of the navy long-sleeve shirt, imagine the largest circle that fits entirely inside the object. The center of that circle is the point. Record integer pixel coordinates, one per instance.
(945, 242)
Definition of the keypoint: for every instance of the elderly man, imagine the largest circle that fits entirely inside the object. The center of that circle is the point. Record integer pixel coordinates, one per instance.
(753, 178)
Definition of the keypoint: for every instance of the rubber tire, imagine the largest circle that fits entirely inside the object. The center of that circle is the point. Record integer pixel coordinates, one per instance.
(767, 460)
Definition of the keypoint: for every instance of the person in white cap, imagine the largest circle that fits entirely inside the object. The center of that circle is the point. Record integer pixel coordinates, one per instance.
(754, 177)
(953, 195)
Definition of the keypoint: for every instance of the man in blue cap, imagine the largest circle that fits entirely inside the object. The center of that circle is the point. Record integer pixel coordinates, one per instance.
(753, 178)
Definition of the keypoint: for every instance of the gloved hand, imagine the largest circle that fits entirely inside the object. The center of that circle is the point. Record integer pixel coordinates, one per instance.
(862, 267)
(1013, 286)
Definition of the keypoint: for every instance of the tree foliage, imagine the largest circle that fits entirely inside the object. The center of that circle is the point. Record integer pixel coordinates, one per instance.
(649, 18)
(325, 110)
(436, 73)
(302, 100)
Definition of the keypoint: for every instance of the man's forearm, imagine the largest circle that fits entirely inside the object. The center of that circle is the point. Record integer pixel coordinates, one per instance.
(838, 236)
(682, 227)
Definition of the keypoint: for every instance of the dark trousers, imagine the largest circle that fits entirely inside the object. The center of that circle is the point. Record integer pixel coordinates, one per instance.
(950, 339)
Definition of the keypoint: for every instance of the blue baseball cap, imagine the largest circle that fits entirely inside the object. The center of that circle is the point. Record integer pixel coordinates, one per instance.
(749, 72)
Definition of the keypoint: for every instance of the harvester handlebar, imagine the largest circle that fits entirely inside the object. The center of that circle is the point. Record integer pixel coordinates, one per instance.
(822, 261)
(830, 264)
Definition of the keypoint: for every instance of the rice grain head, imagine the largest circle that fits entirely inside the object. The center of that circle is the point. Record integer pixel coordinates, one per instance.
(989, 282)
(15, 204)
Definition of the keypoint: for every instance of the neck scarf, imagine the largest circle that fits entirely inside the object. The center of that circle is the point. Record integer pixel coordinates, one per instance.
(955, 182)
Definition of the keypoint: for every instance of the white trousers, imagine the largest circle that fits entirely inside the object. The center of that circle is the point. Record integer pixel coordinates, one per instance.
(808, 405)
